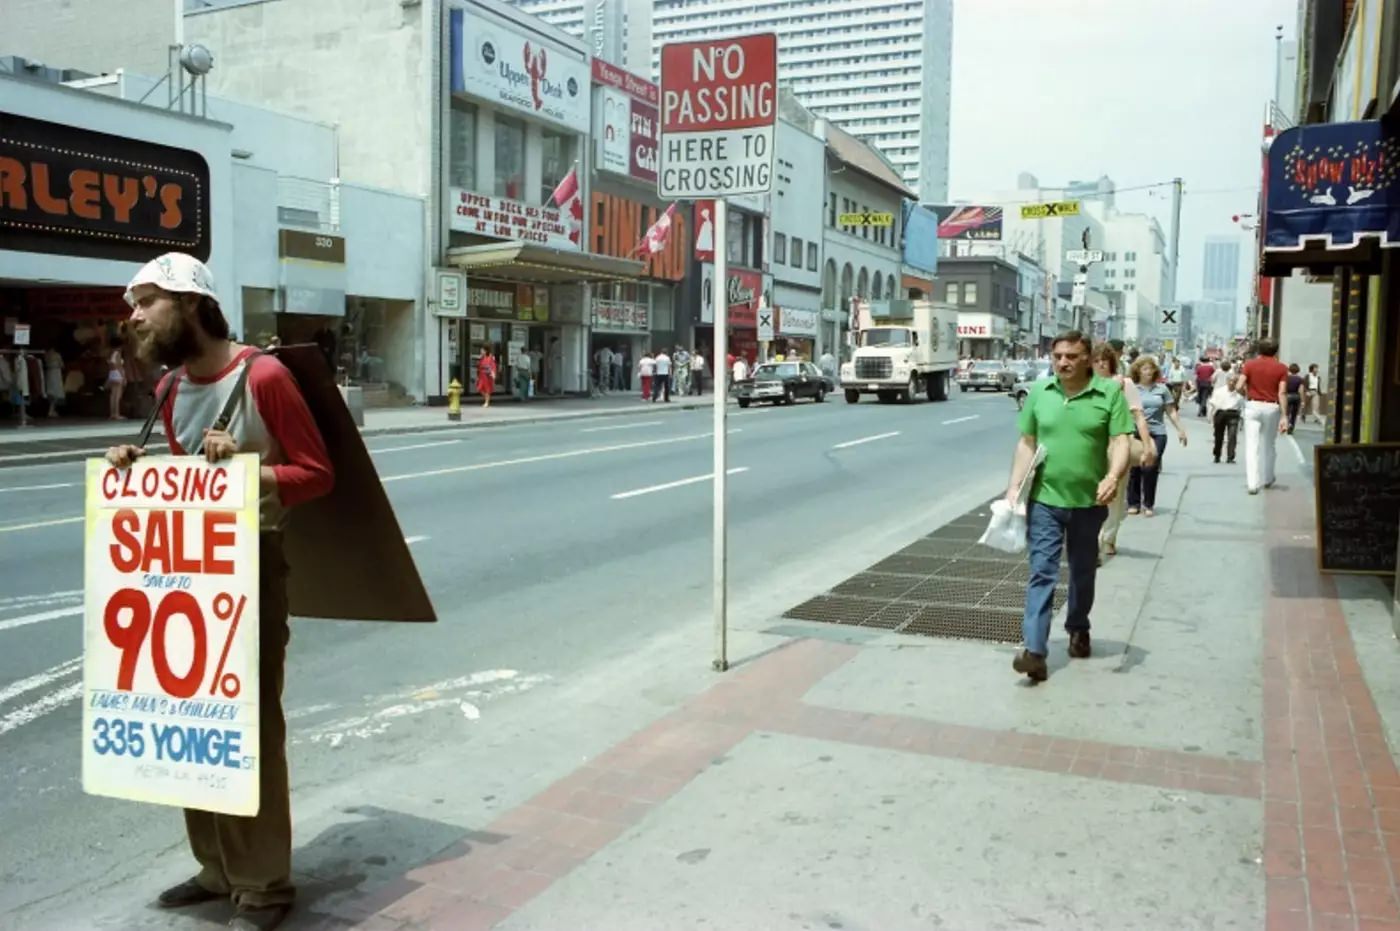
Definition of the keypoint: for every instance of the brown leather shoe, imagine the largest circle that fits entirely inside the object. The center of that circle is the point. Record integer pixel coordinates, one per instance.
(188, 893)
(1032, 665)
(264, 918)
(1079, 645)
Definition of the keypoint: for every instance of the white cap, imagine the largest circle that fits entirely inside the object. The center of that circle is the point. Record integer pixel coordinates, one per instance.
(176, 272)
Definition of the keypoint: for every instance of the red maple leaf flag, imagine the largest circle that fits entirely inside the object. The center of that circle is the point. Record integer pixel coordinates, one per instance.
(570, 202)
(657, 235)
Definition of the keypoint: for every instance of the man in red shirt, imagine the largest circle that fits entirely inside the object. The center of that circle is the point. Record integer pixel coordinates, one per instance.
(178, 323)
(1205, 383)
(1262, 381)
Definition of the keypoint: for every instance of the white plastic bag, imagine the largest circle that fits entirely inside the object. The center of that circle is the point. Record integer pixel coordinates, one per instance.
(1006, 531)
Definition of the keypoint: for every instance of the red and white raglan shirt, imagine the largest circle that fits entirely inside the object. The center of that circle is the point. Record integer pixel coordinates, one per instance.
(272, 421)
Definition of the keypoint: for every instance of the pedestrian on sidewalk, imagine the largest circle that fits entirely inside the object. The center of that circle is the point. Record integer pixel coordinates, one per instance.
(1141, 449)
(603, 358)
(646, 371)
(1314, 393)
(740, 370)
(178, 323)
(1296, 386)
(661, 382)
(1157, 408)
(1205, 375)
(697, 373)
(1176, 380)
(1226, 405)
(1263, 381)
(486, 376)
(1079, 419)
(618, 361)
(522, 374)
(116, 381)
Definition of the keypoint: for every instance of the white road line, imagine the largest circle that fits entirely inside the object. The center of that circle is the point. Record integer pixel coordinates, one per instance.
(418, 539)
(40, 487)
(27, 619)
(44, 598)
(1297, 450)
(546, 457)
(399, 449)
(676, 484)
(24, 457)
(50, 702)
(624, 426)
(866, 439)
(16, 689)
(12, 528)
(961, 419)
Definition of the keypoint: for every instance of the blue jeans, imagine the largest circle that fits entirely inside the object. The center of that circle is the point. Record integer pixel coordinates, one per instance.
(1048, 530)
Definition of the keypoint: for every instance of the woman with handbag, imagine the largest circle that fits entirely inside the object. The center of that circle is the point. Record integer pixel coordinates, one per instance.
(1157, 407)
(1140, 446)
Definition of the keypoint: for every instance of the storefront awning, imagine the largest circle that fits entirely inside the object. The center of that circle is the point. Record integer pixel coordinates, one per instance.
(1333, 196)
(535, 264)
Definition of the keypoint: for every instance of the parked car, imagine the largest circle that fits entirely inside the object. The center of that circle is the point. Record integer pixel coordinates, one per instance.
(983, 375)
(1016, 370)
(784, 383)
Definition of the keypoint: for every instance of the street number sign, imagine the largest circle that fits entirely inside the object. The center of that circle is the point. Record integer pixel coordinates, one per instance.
(1084, 256)
(719, 111)
(170, 633)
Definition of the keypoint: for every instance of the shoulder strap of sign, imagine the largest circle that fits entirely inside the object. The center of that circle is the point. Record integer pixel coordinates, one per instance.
(161, 398)
(235, 398)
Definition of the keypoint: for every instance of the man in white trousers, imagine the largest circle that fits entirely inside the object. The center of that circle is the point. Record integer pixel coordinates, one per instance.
(1263, 382)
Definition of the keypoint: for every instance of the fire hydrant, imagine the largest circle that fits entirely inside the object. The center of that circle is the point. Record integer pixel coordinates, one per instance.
(454, 400)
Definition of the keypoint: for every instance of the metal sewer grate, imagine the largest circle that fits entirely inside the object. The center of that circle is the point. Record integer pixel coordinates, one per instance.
(943, 585)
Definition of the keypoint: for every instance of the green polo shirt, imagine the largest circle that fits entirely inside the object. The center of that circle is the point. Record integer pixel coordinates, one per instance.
(1075, 433)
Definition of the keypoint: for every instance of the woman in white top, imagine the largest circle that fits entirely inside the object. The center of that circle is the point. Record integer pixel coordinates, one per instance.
(116, 381)
(646, 369)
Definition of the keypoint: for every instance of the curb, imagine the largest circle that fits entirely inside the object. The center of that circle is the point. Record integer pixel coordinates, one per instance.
(83, 451)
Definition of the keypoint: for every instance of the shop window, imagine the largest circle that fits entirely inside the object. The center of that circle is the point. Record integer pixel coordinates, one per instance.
(796, 258)
(811, 256)
(510, 158)
(969, 293)
(362, 343)
(461, 170)
(779, 249)
(556, 148)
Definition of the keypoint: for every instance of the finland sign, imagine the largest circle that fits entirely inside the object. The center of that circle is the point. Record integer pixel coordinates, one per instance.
(1059, 208)
(719, 107)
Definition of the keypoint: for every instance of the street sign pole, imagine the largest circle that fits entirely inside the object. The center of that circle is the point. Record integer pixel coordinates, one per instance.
(720, 295)
(719, 111)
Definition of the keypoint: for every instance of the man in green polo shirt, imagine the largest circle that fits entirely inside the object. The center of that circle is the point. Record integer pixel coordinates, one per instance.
(1083, 423)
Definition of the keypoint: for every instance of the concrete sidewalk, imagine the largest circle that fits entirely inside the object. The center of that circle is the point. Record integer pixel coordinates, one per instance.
(1224, 760)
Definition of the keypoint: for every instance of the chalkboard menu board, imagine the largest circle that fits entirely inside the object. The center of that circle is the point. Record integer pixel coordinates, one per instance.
(1358, 507)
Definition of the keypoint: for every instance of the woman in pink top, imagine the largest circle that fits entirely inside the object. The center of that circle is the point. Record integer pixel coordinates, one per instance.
(1105, 360)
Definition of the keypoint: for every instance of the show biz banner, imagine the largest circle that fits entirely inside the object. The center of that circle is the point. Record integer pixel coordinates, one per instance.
(170, 633)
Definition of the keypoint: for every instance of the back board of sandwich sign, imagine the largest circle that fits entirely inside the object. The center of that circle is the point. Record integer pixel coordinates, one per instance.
(350, 558)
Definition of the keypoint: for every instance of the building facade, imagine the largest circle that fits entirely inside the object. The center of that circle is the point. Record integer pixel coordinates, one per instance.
(883, 72)
(798, 244)
(986, 292)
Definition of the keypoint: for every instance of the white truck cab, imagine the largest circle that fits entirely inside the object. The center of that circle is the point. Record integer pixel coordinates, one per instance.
(903, 349)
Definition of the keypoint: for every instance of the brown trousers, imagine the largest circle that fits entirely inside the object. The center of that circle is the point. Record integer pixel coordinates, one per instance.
(250, 859)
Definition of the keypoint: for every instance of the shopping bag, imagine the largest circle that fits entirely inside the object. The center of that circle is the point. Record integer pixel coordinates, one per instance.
(1006, 531)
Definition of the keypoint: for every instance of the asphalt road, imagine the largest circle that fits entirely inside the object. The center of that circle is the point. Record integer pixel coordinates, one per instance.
(553, 552)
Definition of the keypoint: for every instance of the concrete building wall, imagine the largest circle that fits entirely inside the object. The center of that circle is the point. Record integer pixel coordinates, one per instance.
(384, 254)
(1305, 322)
(96, 36)
(356, 63)
(797, 202)
(255, 226)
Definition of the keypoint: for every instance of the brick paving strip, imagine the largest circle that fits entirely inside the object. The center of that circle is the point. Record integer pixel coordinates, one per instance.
(1331, 789)
(1328, 783)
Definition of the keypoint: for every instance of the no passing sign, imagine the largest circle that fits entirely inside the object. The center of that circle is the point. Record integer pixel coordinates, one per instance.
(719, 106)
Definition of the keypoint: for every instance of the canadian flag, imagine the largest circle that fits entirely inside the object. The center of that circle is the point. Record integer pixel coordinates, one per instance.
(660, 231)
(570, 202)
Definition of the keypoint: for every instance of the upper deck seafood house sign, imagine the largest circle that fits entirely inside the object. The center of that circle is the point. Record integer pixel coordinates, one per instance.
(497, 63)
(71, 191)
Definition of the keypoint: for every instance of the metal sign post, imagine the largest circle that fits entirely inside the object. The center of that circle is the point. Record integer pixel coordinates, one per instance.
(721, 509)
(719, 111)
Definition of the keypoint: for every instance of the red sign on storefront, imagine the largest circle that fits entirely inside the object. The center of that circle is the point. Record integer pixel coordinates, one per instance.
(744, 289)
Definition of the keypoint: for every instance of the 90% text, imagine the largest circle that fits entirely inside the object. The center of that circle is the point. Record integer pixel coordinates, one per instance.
(128, 618)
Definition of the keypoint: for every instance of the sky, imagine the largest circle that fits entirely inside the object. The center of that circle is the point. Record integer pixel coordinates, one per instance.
(1139, 90)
